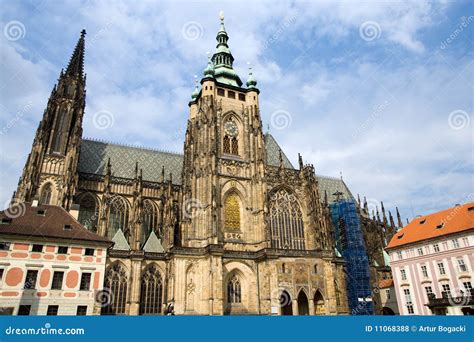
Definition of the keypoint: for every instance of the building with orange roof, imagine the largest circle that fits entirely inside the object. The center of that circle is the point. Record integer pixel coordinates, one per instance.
(432, 262)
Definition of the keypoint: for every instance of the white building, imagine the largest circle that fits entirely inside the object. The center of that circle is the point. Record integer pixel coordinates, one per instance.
(49, 263)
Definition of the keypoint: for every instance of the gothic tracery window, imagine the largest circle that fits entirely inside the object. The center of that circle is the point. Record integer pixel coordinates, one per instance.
(151, 294)
(115, 291)
(234, 291)
(232, 212)
(235, 146)
(286, 221)
(149, 219)
(226, 144)
(118, 216)
(46, 194)
(88, 211)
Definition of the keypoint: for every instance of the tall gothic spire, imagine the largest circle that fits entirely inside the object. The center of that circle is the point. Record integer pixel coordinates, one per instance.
(76, 63)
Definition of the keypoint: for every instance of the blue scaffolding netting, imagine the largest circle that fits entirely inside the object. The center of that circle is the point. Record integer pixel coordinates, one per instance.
(350, 243)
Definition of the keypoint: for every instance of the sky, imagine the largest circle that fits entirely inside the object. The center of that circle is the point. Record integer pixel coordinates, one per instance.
(378, 92)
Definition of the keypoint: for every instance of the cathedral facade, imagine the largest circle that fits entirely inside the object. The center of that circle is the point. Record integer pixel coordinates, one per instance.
(228, 227)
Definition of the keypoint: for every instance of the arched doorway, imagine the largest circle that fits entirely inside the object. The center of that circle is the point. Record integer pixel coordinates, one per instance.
(319, 308)
(387, 311)
(303, 307)
(286, 308)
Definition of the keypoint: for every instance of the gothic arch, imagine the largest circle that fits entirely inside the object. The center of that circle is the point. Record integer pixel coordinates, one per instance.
(319, 303)
(285, 220)
(191, 274)
(303, 303)
(88, 210)
(118, 215)
(239, 280)
(47, 193)
(115, 289)
(149, 220)
(151, 291)
(232, 211)
(232, 144)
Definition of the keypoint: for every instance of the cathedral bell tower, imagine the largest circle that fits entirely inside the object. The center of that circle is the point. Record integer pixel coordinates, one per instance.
(50, 171)
(224, 155)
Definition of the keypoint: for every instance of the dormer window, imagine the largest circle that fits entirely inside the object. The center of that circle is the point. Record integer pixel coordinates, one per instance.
(439, 226)
(423, 221)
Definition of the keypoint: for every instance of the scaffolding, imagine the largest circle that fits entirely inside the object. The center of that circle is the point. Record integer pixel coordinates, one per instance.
(350, 243)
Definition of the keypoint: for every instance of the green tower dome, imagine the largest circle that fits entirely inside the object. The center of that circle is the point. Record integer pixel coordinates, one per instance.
(251, 81)
(209, 70)
(195, 93)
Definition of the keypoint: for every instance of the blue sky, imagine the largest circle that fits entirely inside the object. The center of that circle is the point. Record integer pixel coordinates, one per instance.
(380, 91)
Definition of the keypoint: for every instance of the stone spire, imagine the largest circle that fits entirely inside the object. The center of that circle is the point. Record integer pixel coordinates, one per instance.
(76, 63)
(399, 219)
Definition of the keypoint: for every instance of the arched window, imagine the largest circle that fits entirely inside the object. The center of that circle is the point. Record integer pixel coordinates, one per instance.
(226, 144)
(118, 216)
(149, 219)
(46, 194)
(151, 293)
(232, 212)
(286, 221)
(234, 294)
(60, 132)
(88, 211)
(115, 291)
(338, 295)
(235, 146)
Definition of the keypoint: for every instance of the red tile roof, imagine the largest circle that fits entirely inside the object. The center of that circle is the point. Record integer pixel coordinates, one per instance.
(25, 220)
(453, 220)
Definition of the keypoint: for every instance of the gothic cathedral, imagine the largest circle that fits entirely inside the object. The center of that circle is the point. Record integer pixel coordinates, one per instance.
(228, 227)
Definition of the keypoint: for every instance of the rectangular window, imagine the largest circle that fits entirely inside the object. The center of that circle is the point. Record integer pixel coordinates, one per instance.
(1, 275)
(231, 94)
(62, 250)
(420, 251)
(89, 251)
(30, 280)
(408, 301)
(241, 97)
(85, 282)
(468, 287)
(24, 310)
(462, 265)
(403, 274)
(465, 241)
(57, 283)
(220, 92)
(410, 309)
(429, 292)
(446, 293)
(387, 293)
(441, 268)
(81, 310)
(436, 247)
(399, 255)
(4, 246)
(445, 246)
(424, 271)
(37, 248)
(52, 310)
(455, 243)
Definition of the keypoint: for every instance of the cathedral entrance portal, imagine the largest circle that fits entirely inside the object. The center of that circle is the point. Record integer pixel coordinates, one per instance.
(286, 308)
(303, 306)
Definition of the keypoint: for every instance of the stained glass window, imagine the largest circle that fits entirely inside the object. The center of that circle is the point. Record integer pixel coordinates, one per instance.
(88, 212)
(234, 294)
(232, 212)
(115, 291)
(226, 144)
(46, 194)
(151, 293)
(118, 216)
(149, 219)
(286, 221)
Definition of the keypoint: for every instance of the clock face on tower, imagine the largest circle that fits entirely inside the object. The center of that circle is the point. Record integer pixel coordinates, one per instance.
(231, 129)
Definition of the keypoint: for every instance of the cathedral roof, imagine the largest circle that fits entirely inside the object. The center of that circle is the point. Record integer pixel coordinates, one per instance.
(95, 154)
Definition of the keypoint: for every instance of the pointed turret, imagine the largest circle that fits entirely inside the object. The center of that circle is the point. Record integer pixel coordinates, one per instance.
(384, 216)
(76, 63)
(399, 219)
